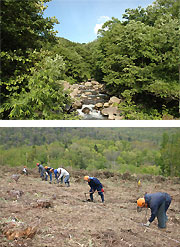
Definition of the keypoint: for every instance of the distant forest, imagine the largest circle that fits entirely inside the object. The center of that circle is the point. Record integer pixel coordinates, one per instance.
(135, 150)
(10, 137)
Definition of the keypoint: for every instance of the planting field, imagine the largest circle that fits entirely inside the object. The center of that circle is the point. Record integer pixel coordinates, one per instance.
(38, 214)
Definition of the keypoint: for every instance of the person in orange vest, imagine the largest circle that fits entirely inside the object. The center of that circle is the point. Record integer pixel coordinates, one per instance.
(159, 203)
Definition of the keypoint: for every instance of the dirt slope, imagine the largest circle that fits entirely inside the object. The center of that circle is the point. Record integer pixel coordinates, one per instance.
(73, 222)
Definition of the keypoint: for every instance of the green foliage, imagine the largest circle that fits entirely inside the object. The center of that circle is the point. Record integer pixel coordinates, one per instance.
(169, 159)
(138, 150)
(77, 69)
(31, 83)
(138, 60)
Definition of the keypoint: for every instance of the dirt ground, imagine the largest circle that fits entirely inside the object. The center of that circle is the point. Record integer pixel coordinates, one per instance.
(72, 221)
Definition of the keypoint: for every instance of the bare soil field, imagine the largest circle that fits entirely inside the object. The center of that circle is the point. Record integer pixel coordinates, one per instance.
(55, 215)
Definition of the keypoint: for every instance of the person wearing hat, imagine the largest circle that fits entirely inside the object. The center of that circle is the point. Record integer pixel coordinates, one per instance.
(48, 171)
(61, 173)
(41, 170)
(159, 203)
(95, 184)
(25, 171)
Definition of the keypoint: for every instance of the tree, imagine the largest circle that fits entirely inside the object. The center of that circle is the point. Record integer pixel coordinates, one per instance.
(169, 160)
(139, 61)
(29, 87)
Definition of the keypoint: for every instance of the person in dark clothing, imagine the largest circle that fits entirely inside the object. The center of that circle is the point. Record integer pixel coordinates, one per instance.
(41, 170)
(95, 184)
(48, 171)
(158, 203)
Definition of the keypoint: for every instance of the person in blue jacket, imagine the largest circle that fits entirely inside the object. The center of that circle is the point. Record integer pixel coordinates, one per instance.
(159, 203)
(48, 171)
(95, 184)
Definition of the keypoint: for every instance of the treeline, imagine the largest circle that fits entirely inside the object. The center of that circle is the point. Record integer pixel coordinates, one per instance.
(110, 149)
(136, 59)
(15, 137)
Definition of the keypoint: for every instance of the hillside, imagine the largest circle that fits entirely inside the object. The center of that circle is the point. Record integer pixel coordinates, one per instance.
(73, 222)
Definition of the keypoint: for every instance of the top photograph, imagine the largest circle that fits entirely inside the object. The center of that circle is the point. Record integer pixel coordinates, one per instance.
(90, 60)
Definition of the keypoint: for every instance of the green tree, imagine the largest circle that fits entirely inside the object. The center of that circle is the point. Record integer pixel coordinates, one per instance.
(169, 160)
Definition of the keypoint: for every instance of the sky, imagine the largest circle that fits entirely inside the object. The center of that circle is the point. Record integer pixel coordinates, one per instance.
(81, 19)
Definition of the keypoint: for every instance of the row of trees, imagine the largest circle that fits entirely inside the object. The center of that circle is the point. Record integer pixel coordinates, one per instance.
(92, 153)
(16, 137)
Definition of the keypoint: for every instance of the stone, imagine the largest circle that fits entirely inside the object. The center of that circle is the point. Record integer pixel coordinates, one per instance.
(98, 105)
(87, 93)
(44, 203)
(86, 110)
(106, 104)
(66, 85)
(112, 110)
(88, 84)
(95, 82)
(114, 100)
(77, 105)
(111, 117)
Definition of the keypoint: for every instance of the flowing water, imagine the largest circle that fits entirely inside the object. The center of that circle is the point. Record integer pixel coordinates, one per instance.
(94, 96)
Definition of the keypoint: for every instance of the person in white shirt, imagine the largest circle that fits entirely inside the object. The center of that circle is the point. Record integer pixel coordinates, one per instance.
(25, 171)
(61, 173)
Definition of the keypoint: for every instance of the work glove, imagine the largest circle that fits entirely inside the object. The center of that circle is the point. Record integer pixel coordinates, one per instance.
(147, 224)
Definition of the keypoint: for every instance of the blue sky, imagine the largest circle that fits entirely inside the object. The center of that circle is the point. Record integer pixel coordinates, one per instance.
(80, 19)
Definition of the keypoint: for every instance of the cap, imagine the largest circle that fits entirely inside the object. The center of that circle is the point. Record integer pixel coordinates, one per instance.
(86, 178)
(141, 202)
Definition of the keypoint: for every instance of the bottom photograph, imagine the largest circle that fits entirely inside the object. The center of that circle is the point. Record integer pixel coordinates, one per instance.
(89, 187)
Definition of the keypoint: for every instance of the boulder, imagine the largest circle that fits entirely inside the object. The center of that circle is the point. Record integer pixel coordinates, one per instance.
(98, 105)
(114, 100)
(66, 85)
(112, 110)
(95, 82)
(88, 84)
(111, 117)
(86, 110)
(118, 117)
(77, 105)
(44, 203)
(87, 93)
(106, 105)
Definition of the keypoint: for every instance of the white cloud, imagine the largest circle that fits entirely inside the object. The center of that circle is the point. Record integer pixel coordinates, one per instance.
(101, 20)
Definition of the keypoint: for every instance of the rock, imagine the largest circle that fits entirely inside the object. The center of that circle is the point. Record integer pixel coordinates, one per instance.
(15, 177)
(87, 93)
(44, 203)
(96, 87)
(114, 100)
(106, 105)
(86, 110)
(111, 117)
(94, 82)
(112, 110)
(98, 105)
(66, 85)
(88, 84)
(16, 193)
(77, 105)
(118, 117)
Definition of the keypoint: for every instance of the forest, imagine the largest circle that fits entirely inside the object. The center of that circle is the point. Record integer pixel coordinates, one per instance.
(136, 59)
(134, 150)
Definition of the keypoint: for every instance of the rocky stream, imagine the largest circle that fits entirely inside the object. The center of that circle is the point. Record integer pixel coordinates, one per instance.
(92, 102)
